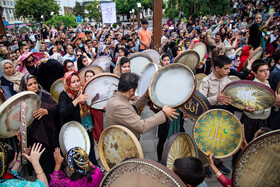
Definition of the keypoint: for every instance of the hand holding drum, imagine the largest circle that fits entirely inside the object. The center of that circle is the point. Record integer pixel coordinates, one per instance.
(170, 112)
(80, 98)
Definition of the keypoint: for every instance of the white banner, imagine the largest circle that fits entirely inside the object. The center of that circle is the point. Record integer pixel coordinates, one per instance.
(109, 12)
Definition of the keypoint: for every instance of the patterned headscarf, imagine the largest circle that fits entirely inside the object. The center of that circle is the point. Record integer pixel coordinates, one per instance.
(3, 160)
(78, 159)
(86, 118)
(67, 84)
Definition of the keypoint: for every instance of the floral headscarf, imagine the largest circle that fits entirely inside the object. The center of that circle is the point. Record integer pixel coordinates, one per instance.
(78, 159)
(86, 118)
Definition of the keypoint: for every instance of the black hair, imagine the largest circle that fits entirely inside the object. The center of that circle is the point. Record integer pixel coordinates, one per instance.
(76, 176)
(190, 170)
(276, 57)
(124, 38)
(221, 61)
(164, 55)
(58, 42)
(88, 41)
(174, 50)
(89, 71)
(144, 21)
(128, 81)
(80, 62)
(121, 48)
(51, 51)
(258, 63)
(124, 60)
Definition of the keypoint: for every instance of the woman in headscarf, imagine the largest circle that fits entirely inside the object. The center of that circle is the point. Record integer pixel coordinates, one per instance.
(10, 77)
(72, 106)
(28, 64)
(256, 38)
(9, 160)
(122, 66)
(44, 128)
(82, 172)
(48, 72)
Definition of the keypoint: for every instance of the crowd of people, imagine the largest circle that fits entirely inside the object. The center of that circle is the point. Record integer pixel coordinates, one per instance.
(34, 60)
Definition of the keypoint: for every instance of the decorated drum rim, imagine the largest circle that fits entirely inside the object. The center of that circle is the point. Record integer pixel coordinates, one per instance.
(82, 129)
(108, 58)
(161, 168)
(251, 145)
(249, 82)
(185, 53)
(98, 76)
(206, 104)
(169, 143)
(200, 75)
(128, 132)
(235, 77)
(95, 68)
(241, 133)
(204, 47)
(53, 87)
(177, 65)
(18, 96)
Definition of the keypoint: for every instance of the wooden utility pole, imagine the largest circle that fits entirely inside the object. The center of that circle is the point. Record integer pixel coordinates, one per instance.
(2, 28)
(157, 22)
(98, 14)
(133, 19)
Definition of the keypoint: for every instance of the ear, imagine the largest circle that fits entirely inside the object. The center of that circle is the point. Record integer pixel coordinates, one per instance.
(131, 90)
(255, 74)
(217, 68)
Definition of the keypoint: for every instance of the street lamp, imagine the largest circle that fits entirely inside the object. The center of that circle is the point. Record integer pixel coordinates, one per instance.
(133, 18)
(138, 14)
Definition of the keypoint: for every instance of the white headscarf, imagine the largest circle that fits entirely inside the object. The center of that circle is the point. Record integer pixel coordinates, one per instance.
(15, 78)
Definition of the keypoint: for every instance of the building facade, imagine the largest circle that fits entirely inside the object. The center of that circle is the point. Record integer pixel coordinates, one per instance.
(9, 12)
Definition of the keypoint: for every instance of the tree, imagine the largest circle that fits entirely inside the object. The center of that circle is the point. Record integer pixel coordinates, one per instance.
(196, 8)
(79, 10)
(67, 20)
(93, 10)
(36, 8)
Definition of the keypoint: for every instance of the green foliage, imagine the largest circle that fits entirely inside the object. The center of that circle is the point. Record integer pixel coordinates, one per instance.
(79, 10)
(93, 11)
(67, 20)
(36, 8)
(196, 8)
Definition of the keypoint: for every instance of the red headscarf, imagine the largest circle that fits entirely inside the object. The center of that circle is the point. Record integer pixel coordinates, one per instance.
(67, 84)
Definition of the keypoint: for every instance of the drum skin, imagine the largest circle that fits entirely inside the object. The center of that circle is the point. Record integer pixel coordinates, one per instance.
(141, 172)
(56, 88)
(10, 112)
(196, 106)
(103, 62)
(258, 164)
(201, 49)
(138, 61)
(116, 144)
(199, 78)
(145, 79)
(100, 88)
(189, 58)
(153, 54)
(73, 134)
(178, 145)
(96, 69)
(252, 94)
(256, 53)
(218, 132)
(172, 85)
